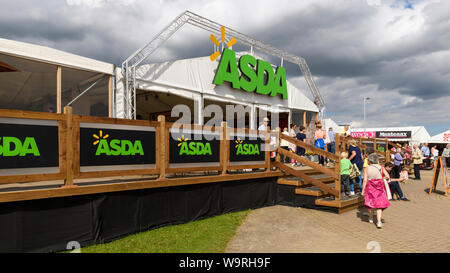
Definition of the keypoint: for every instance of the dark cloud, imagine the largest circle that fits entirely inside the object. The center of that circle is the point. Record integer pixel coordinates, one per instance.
(396, 52)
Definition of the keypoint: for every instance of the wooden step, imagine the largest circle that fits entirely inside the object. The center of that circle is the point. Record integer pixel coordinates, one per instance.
(345, 202)
(295, 181)
(313, 191)
(309, 171)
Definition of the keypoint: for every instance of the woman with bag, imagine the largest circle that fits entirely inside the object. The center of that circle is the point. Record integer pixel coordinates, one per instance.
(319, 140)
(355, 156)
(375, 189)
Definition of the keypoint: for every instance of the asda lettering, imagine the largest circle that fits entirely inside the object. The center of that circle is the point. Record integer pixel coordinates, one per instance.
(12, 146)
(118, 147)
(264, 80)
(247, 149)
(195, 148)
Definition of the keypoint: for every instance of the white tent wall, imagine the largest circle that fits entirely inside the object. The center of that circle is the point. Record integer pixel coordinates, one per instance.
(193, 78)
(442, 138)
(327, 123)
(53, 56)
(119, 95)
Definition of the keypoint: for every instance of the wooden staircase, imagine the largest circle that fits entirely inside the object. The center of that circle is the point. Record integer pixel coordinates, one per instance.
(310, 196)
(313, 188)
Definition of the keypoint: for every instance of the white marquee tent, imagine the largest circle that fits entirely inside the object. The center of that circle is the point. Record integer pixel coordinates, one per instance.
(418, 133)
(193, 79)
(442, 138)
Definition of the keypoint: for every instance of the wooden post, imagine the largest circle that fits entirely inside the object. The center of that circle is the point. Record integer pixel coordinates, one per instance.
(58, 89)
(337, 165)
(163, 140)
(375, 144)
(225, 147)
(267, 150)
(388, 156)
(277, 156)
(304, 119)
(70, 147)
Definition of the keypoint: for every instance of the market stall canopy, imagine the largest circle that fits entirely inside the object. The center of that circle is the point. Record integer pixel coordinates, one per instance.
(414, 134)
(192, 78)
(441, 138)
(327, 123)
(53, 56)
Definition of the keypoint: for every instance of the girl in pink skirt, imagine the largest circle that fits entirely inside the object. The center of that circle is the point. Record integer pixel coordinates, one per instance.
(374, 190)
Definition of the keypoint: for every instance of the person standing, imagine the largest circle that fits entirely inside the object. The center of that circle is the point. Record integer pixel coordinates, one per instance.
(417, 161)
(301, 136)
(344, 131)
(284, 144)
(319, 140)
(355, 156)
(292, 146)
(398, 161)
(446, 155)
(264, 124)
(426, 153)
(346, 165)
(332, 137)
(434, 153)
(374, 190)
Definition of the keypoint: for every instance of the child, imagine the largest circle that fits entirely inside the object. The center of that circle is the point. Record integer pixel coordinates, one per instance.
(345, 173)
(404, 175)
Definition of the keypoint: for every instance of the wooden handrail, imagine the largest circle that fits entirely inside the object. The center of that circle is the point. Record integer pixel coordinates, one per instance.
(307, 178)
(311, 164)
(309, 147)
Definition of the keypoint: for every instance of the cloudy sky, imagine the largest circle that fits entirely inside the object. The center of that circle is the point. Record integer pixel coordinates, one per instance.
(396, 52)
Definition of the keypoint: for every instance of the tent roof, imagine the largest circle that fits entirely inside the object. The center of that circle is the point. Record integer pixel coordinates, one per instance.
(328, 122)
(418, 133)
(53, 56)
(443, 137)
(197, 75)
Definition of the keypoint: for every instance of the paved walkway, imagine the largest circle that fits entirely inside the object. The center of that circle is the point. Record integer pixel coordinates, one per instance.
(421, 225)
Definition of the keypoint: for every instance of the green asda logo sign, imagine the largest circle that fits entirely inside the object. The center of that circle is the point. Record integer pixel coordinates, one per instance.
(256, 75)
(116, 147)
(12, 146)
(246, 149)
(193, 147)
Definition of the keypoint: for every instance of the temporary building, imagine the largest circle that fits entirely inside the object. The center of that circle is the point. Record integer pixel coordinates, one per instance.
(442, 138)
(411, 134)
(40, 78)
(161, 86)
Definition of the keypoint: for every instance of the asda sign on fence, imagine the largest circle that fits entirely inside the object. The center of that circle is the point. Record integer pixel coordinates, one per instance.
(28, 146)
(187, 146)
(104, 146)
(244, 148)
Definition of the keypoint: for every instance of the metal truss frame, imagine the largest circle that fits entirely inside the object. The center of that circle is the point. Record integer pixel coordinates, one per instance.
(130, 64)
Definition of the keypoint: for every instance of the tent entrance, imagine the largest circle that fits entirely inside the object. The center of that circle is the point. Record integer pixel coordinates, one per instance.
(151, 104)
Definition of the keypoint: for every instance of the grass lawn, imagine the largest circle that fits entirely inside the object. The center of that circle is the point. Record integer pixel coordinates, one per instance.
(209, 235)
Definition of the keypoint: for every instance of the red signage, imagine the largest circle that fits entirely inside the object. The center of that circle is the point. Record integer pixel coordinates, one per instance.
(368, 134)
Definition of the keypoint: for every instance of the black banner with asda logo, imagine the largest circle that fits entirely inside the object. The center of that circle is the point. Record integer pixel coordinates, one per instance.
(246, 149)
(103, 146)
(189, 148)
(28, 146)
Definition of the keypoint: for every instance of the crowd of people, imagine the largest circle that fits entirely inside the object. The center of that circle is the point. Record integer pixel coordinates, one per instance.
(362, 174)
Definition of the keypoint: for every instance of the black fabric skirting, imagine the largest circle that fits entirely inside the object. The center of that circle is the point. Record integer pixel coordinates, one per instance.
(47, 225)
